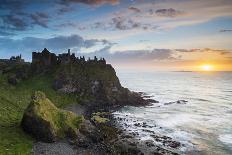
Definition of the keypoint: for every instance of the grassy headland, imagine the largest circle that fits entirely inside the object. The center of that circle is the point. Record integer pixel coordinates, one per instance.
(13, 102)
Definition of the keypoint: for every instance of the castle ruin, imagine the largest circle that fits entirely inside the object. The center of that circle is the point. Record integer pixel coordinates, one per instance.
(47, 59)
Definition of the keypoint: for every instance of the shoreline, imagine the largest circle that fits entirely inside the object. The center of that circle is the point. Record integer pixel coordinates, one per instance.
(114, 139)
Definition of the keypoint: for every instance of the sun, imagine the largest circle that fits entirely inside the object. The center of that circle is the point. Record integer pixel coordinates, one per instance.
(207, 67)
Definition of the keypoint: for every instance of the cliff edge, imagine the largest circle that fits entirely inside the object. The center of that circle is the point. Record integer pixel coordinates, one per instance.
(93, 80)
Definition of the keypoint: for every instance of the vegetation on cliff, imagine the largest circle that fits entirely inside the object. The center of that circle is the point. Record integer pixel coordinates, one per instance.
(13, 101)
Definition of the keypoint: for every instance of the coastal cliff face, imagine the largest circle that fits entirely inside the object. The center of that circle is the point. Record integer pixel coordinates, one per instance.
(94, 81)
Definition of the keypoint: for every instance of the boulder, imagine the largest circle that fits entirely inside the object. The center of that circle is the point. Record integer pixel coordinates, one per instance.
(88, 135)
(44, 121)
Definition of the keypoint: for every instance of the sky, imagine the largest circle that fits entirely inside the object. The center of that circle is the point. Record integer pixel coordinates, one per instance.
(131, 34)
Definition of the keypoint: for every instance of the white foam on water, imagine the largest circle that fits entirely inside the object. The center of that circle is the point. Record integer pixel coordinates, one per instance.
(175, 120)
(226, 139)
(207, 113)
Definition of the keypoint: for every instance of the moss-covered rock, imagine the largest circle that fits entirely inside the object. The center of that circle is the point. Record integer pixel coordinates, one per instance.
(46, 122)
(99, 117)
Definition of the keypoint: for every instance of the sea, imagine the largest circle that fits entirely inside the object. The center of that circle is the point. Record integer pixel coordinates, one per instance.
(195, 109)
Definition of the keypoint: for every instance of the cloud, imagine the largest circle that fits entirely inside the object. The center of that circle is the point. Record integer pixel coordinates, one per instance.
(13, 22)
(92, 2)
(132, 55)
(119, 23)
(143, 15)
(58, 43)
(188, 50)
(171, 13)
(40, 18)
(2, 33)
(22, 21)
(134, 9)
(158, 55)
(64, 9)
(226, 30)
(124, 24)
(219, 51)
(21, 15)
(11, 5)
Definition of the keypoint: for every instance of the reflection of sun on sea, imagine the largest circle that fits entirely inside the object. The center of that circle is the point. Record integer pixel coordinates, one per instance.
(206, 67)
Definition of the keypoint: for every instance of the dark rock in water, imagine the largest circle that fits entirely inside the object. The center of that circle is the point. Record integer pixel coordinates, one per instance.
(181, 102)
(167, 141)
(144, 125)
(44, 121)
(127, 136)
(137, 124)
(145, 130)
(177, 102)
(149, 143)
(168, 103)
(152, 101)
(174, 144)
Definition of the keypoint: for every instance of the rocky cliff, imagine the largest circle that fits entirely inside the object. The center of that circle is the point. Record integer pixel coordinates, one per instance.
(93, 80)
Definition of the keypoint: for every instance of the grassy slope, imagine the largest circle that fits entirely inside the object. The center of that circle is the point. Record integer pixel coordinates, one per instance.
(13, 101)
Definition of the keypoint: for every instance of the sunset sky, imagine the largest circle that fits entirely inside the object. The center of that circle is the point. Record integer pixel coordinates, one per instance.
(130, 34)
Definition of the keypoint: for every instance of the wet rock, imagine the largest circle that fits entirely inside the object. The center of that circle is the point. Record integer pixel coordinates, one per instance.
(90, 132)
(168, 103)
(177, 102)
(166, 141)
(82, 141)
(152, 101)
(174, 144)
(127, 136)
(137, 124)
(181, 102)
(133, 151)
(149, 131)
(149, 143)
(144, 126)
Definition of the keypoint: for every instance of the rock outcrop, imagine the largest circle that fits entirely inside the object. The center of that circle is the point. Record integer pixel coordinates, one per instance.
(93, 80)
(44, 121)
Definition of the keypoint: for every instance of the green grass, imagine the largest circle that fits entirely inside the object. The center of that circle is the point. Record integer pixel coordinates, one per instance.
(13, 102)
(14, 141)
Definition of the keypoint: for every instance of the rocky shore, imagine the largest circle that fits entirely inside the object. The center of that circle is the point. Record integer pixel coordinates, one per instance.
(105, 136)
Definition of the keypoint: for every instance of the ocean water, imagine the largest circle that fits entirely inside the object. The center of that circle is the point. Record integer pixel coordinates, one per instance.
(201, 121)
